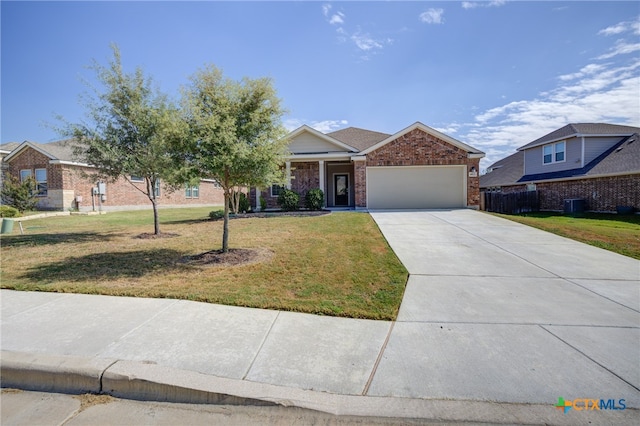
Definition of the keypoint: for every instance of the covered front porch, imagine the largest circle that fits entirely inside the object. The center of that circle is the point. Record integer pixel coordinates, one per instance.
(335, 177)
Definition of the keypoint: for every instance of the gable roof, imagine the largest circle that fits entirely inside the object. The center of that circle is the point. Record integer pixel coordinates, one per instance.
(57, 151)
(8, 147)
(504, 172)
(623, 157)
(582, 129)
(418, 125)
(358, 138)
(326, 137)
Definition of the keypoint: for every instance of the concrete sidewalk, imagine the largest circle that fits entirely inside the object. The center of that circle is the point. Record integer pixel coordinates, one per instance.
(497, 322)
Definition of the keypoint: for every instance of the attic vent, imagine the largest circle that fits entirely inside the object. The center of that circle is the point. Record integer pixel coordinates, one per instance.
(619, 149)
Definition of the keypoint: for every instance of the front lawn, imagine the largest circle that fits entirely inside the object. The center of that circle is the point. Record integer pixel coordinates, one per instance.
(618, 233)
(338, 264)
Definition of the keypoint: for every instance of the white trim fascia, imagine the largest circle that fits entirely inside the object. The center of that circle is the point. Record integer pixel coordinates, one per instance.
(23, 146)
(326, 138)
(475, 155)
(574, 135)
(358, 158)
(427, 129)
(315, 157)
(636, 172)
(70, 163)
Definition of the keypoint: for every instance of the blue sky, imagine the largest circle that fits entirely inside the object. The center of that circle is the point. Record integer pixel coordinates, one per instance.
(493, 74)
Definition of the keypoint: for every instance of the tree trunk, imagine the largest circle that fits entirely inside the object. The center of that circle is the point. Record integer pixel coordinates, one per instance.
(225, 227)
(151, 193)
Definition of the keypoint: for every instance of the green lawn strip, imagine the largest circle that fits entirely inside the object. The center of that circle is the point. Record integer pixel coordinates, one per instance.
(337, 264)
(617, 233)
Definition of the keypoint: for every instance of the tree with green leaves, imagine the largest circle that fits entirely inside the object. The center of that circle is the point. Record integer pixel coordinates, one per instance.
(236, 135)
(20, 195)
(131, 130)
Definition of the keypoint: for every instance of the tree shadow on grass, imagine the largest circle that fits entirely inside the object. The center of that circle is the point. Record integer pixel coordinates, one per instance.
(35, 240)
(106, 266)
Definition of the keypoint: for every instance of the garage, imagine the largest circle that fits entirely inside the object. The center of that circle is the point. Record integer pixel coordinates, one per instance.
(416, 187)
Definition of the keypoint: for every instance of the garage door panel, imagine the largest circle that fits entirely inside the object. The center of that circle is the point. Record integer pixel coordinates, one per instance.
(429, 187)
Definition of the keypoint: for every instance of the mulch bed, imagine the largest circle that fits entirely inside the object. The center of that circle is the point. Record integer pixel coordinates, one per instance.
(279, 213)
(234, 257)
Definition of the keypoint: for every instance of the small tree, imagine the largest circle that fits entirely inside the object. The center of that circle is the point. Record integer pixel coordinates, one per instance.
(20, 195)
(131, 132)
(236, 136)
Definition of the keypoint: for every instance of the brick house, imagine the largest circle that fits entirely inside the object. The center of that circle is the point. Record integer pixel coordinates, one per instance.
(65, 184)
(595, 162)
(415, 168)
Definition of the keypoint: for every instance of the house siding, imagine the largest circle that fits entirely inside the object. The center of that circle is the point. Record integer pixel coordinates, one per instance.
(573, 154)
(593, 147)
(417, 148)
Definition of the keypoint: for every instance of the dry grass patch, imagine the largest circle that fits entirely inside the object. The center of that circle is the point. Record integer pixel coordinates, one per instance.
(337, 264)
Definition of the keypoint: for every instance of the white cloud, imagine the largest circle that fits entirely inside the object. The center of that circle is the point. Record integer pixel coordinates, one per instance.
(598, 92)
(337, 18)
(325, 126)
(620, 48)
(432, 16)
(622, 27)
(365, 41)
(475, 4)
(326, 8)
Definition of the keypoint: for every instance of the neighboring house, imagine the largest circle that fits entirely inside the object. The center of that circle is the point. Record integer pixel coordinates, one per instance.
(416, 168)
(595, 162)
(65, 184)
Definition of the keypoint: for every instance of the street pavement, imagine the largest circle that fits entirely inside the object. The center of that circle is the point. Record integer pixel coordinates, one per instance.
(498, 321)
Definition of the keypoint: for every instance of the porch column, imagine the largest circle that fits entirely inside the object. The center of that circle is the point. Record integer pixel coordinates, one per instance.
(257, 199)
(321, 178)
(288, 165)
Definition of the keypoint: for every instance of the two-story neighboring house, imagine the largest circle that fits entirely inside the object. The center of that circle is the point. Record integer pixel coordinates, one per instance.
(595, 162)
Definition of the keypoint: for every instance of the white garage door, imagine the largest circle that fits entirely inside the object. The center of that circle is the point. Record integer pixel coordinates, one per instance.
(419, 187)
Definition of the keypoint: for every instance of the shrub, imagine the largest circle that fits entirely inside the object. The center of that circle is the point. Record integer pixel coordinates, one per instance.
(288, 200)
(263, 203)
(8, 211)
(314, 200)
(244, 205)
(20, 195)
(216, 214)
(239, 203)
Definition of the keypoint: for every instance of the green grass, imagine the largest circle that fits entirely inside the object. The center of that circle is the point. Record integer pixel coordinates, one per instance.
(337, 264)
(617, 233)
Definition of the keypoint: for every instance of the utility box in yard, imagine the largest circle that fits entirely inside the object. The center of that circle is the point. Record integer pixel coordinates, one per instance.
(574, 205)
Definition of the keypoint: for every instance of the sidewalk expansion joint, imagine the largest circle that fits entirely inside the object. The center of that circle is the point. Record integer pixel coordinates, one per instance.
(100, 387)
(569, 280)
(365, 391)
(266, 336)
(591, 359)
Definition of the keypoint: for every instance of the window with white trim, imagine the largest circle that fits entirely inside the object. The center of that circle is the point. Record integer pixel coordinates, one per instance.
(136, 178)
(156, 188)
(192, 191)
(554, 153)
(25, 174)
(276, 190)
(41, 182)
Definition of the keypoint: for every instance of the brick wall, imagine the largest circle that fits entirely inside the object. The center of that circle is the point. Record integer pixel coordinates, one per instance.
(602, 194)
(306, 176)
(120, 194)
(418, 148)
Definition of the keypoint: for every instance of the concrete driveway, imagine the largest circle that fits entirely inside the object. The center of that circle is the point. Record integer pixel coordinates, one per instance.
(499, 311)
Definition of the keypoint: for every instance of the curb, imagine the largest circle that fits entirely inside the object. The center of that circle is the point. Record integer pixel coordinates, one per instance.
(152, 382)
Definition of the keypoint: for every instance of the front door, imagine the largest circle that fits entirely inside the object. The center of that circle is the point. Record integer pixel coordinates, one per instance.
(341, 189)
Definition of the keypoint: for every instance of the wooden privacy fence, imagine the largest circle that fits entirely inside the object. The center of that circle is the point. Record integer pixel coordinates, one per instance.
(512, 203)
